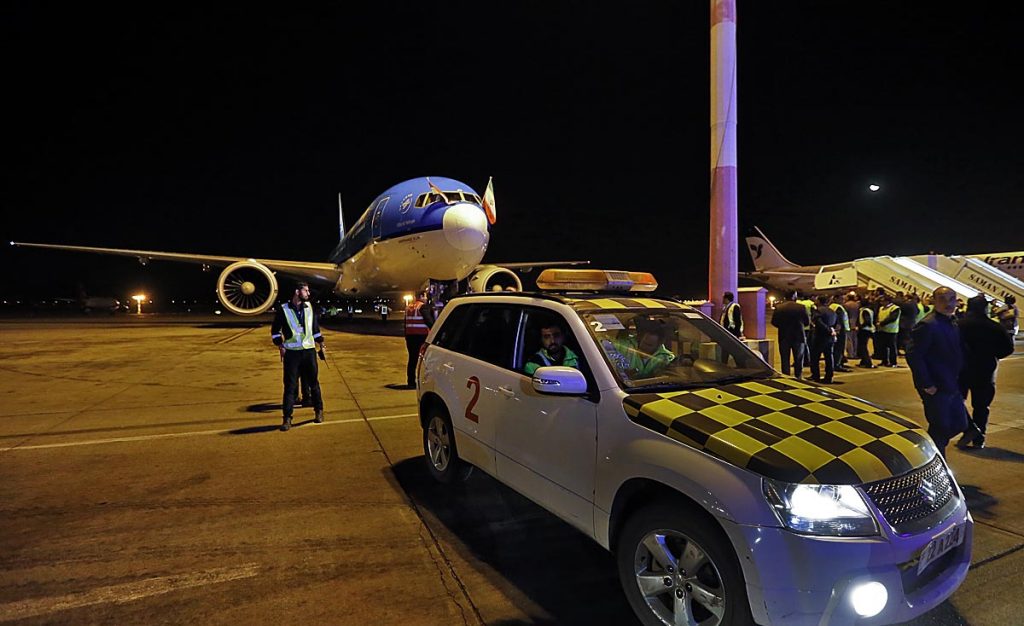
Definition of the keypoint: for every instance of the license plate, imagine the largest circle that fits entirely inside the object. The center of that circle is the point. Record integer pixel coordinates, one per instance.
(941, 545)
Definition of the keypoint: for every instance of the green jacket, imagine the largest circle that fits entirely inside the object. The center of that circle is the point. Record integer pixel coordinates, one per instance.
(541, 358)
(640, 365)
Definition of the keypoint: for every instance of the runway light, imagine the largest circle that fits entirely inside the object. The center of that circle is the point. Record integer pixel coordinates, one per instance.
(139, 297)
(869, 599)
(874, 187)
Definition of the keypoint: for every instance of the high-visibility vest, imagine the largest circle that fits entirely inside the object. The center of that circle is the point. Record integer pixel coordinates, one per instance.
(921, 312)
(890, 313)
(809, 305)
(726, 319)
(414, 322)
(867, 319)
(302, 336)
(841, 314)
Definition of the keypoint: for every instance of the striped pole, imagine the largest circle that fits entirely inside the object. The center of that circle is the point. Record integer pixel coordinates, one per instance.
(723, 260)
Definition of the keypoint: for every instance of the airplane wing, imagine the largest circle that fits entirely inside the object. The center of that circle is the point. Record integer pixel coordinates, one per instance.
(782, 273)
(321, 273)
(526, 267)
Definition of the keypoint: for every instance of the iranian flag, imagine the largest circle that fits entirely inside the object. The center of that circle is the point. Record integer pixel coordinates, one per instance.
(489, 208)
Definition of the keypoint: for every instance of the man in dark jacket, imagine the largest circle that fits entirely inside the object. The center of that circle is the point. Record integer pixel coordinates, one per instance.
(936, 358)
(296, 333)
(790, 318)
(823, 340)
(984, 343)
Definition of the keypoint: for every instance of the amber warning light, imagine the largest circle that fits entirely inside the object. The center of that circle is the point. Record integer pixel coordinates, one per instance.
(595, 280)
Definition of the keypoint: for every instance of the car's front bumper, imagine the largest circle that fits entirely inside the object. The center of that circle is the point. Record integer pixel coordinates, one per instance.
(802, 580)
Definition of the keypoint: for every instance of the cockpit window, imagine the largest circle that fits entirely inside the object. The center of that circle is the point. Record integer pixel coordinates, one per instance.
(457, 195)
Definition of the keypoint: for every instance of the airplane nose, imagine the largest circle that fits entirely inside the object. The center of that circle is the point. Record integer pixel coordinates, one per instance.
(465, 227)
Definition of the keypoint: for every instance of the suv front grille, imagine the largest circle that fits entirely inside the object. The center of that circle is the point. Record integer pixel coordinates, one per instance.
(916, 500)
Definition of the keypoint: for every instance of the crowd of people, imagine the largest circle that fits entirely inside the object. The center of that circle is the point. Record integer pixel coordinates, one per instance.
(952, 347)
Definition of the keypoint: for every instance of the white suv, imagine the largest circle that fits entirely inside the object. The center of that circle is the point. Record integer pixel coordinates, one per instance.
(728, 494)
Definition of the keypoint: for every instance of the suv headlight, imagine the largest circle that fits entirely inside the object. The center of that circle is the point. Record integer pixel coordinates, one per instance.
(834, 510)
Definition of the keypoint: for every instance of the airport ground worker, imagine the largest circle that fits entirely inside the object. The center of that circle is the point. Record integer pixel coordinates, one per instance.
(296, 333)
(419, 318)
(852, 306)
(887, 330)
(732, 316)
(865, 333)
(984, 343)
(553, 351)
(935, 356)
(823, 340)
(790, 318)
(1008, 316)
(908, 317)
(842, 332)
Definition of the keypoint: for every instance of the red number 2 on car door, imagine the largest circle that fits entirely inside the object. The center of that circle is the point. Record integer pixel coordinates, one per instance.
(473, 382)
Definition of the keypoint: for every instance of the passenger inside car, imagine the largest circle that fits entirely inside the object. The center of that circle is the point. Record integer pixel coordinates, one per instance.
(645, 354)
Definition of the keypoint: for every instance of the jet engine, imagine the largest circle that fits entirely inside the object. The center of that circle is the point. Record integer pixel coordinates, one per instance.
(247, 288)
(494, 278)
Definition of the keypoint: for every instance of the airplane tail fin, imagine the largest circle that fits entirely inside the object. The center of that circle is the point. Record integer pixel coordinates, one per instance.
(490, 207)
(341, 220)
(765, 255)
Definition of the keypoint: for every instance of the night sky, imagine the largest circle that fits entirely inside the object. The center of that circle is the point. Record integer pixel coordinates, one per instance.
(217, 130)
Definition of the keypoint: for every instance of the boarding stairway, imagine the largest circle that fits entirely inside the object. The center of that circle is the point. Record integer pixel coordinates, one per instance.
(967, 277)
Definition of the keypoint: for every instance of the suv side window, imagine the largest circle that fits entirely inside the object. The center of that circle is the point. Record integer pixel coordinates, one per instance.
(488, 333)
(448, 334)
(537, 319)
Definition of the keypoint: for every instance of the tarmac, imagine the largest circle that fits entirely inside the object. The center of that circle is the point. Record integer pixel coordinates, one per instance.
(143, 479)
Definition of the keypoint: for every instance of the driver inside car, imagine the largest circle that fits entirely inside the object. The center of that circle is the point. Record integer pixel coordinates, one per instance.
(552, 352)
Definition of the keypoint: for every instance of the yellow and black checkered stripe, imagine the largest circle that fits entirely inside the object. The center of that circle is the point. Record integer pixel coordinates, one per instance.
(626, 303)
(788, 430)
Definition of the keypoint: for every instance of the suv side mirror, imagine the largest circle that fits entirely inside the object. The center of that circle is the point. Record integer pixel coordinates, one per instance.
(564, 381)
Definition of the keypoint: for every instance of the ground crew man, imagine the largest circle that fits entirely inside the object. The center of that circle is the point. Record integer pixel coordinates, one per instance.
(419, 317)
(553, 351)
(384, 310)
(790, 318)
(732, 316)
(888, 329)
(842, 330)
(865, 331)
(296, 333)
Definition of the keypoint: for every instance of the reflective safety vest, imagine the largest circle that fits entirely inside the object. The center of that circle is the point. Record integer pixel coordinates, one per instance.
(921, 312)
(867, 319)
(414, 322)
(891, 315)
(841, 315)
(302, 336)
(809, 305)
(726, 319)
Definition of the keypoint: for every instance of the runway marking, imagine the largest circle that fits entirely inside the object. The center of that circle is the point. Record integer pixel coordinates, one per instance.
(194, 433)
(129, 592)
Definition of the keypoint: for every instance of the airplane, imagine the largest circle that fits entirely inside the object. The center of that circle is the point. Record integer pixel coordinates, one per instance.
(912, 274)
(420, 232)
(1010, 262)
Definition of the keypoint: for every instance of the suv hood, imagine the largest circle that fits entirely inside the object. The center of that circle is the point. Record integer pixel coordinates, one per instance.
(789, 430)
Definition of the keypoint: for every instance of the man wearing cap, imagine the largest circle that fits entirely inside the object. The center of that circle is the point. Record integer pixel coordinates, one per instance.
(985, 342)
(296, 333)
(935, 356)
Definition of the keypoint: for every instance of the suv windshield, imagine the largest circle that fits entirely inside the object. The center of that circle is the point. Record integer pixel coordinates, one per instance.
(671, 349)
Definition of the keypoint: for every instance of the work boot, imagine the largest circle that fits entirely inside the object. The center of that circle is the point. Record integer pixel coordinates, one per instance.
(979, 441)
(319, 419)
(287, 424)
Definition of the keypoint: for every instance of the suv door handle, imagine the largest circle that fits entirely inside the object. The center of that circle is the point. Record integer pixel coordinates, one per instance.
(448, 366)
(507, 392)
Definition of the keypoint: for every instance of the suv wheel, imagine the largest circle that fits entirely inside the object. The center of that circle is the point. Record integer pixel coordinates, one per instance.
(676, 570)
(439, 449)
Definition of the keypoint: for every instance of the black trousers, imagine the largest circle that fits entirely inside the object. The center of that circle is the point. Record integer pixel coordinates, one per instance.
(862, 347)
(822, 349)
(302, 362)
(788, 348)
(982, 393)
(839, 348)
(412, 344)
(887, 343)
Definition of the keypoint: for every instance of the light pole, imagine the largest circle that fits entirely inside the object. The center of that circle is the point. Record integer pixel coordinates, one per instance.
(139, 297)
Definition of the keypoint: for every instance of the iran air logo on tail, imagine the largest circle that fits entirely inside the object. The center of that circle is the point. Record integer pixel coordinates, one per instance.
(756, 249)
